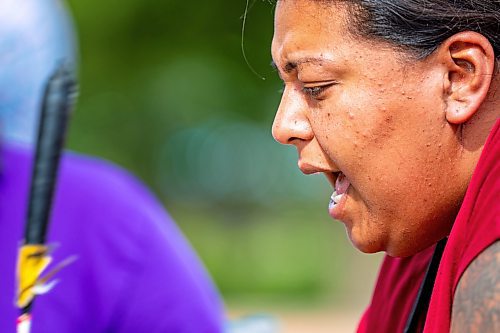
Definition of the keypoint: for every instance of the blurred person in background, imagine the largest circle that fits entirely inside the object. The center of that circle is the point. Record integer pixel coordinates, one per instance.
(396, 102)
(135, 271)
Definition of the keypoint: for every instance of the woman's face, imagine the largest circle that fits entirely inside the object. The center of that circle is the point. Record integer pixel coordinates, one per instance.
(373, 123)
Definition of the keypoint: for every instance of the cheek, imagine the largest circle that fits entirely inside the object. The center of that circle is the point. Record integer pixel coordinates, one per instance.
(372, 140)
(372, 129)
(354, 129)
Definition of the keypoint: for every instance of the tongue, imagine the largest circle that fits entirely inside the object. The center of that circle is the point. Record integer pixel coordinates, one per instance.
(341, 184)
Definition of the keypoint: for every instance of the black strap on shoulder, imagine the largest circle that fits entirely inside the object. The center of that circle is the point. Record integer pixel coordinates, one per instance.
(421, 304)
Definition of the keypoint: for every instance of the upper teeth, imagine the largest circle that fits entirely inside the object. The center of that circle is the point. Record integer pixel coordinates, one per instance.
(336, 197)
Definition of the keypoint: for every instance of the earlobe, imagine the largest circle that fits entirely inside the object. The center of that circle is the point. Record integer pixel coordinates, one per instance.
(470, 62)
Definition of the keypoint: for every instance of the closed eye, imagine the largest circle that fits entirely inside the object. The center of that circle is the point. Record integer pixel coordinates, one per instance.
(317, 91)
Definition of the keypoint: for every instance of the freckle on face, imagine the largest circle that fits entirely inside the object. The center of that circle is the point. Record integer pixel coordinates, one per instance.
(365, 129)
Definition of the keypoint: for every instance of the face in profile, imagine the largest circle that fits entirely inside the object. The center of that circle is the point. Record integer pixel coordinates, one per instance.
(371, 119)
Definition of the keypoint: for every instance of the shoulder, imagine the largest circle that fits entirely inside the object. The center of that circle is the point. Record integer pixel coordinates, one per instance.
(81, 174)
(112, 200)
(476, 305)
(151, 250)
(87, 172)
(106, 187)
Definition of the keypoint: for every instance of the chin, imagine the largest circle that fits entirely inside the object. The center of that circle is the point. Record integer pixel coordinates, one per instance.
(364, 243)
(372, 243)
(372, 236)
(375, 246)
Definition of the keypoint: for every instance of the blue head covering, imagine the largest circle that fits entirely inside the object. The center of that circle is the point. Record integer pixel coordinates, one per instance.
(35, 35)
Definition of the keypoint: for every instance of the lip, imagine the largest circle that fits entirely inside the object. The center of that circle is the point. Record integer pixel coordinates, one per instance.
(341, 186)
(310, 169)
(336, 211)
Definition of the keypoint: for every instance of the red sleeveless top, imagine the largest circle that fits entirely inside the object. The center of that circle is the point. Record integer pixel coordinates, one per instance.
(397, 287)
(476, 227)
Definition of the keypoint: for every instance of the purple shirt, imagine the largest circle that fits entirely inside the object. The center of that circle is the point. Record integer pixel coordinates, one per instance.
(135, 272)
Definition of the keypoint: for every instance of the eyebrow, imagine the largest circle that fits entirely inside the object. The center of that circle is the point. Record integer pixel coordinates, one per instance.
(291, 65)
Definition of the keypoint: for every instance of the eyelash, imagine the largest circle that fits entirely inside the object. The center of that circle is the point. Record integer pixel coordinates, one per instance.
(316, 91)
(313, 92)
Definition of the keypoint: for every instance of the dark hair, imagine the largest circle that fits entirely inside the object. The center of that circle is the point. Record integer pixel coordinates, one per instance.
(420, 26)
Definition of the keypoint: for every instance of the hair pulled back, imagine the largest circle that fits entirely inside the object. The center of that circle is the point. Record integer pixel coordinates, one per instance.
(420, 26)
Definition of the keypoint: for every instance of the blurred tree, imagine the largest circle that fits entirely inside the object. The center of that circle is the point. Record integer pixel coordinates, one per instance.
(166, 92)
(149, 67)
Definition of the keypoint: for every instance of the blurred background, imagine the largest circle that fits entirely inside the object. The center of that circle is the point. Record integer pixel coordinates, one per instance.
(166, 93)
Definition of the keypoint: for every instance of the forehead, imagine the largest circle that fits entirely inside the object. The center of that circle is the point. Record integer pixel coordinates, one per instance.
(308, 28)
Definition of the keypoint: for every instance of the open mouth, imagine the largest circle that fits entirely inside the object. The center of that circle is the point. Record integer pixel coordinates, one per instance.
(341, 185)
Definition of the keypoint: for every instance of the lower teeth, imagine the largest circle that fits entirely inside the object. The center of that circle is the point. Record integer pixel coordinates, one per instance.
(335, 198)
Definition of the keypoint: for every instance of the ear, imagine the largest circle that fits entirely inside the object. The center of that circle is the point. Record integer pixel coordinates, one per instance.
(470, 61)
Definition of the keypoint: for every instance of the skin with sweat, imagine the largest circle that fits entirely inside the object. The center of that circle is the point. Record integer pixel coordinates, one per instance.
(364, 111)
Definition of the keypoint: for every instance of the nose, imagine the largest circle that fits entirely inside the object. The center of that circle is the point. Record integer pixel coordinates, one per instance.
(291, 125)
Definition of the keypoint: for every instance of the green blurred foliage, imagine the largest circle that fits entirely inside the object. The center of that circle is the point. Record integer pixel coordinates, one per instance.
(149, 67)
(283, 253)
(153, 71)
